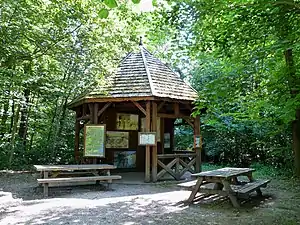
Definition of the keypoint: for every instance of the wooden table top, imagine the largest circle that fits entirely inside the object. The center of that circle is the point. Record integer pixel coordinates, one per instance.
(226, 172)
(73, 167)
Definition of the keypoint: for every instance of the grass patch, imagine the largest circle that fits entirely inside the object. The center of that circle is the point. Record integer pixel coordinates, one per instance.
(209, 166)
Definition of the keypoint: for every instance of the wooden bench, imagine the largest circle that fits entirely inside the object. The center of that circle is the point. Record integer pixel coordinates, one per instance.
(188, 185)
(241, 190)
(246, 188)
(47, 181)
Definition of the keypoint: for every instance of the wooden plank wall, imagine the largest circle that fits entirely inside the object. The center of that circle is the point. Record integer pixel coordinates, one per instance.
(109, 118)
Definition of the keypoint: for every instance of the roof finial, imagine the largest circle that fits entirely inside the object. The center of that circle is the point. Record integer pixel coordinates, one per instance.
(141, 41)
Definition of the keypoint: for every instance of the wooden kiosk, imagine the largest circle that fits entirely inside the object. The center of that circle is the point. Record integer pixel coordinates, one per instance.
(144, 95)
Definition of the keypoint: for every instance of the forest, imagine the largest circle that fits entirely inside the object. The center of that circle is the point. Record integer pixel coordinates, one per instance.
(242, 56)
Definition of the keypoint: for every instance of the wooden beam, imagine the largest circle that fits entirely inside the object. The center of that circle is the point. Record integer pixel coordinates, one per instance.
(90, 108)
(172, 116)
(162, 132)
(197, 150)
(188, 120)
(86, 117)
(147, 158)
(76, 139)
(140, 107)
(154, 148)
(159, 107)
(176, 108)
(104, 108)
(167, 168)
(95, 113)
(188, 106)
(94, 120)
(179, 155)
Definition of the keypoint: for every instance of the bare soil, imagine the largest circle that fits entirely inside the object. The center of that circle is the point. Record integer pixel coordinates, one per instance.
(140, 204)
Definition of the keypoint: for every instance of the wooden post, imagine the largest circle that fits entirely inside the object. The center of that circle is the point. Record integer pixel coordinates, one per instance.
(94, 120)
(46, 185)
(95, 114)
(154, 148)
(176, 109)
(197, 150)
(148, 124)
(162, 132)
(77, 133)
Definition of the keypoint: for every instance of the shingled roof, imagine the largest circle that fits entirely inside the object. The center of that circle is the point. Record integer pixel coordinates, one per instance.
(142, 75)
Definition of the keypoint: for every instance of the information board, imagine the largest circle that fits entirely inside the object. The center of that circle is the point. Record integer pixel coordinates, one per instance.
(147, 138)
(117, 139)
(94, 140)
(197, 141)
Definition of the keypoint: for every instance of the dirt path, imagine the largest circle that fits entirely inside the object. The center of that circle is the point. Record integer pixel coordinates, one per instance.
(140, 204)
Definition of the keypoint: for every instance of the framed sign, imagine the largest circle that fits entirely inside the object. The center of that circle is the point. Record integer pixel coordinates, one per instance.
(197, 141)
(125, 159)
(143, 127)
(127, 121)
(94, 140)
(147, 138)
(167, 140)
(117, 139)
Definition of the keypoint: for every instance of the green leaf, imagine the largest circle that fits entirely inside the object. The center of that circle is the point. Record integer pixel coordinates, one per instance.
(111, 3)
(136, 1)
(103, 13)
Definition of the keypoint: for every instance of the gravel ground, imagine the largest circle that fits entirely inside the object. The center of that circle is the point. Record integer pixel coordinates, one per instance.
(138, 204)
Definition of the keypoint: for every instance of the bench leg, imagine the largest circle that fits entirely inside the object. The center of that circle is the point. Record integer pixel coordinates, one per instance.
(41, 177)
(195, 190)
(46, 185)
(46, 190)
(218, 186)
(234, 200)
(231, 195)
(259, 193)
(109, 182)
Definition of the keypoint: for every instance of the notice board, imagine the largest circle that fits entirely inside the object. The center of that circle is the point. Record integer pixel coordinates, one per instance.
(94, 140)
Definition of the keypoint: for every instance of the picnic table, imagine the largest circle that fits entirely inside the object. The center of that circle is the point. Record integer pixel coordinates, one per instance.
(69, 173)
(225, 182)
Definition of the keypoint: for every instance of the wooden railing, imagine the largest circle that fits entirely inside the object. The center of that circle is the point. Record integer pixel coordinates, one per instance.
(176, 164)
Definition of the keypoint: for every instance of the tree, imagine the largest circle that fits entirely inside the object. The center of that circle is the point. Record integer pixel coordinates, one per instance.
(254, 45)
(50, 52)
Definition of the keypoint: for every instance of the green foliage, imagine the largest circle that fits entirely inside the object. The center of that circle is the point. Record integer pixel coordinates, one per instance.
(111, 3)
(103, 13)
(183, 137)
(232, 53)
(235, 52)
(50, 52)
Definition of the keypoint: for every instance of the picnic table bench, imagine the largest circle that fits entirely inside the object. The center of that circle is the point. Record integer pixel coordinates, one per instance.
(69, 174)
(225, 182)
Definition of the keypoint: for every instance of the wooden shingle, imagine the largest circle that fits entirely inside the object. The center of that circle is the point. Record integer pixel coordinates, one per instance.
(141, 75)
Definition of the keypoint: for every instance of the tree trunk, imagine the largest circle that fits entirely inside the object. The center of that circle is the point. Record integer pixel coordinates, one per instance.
(59, 126)
(24, 118)
(63, 116)
(35, 98)
(13, 135)
(292, 79)
(4, 118)
(296, 142)
(52, 121)
(12, 116)
(8, 65)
